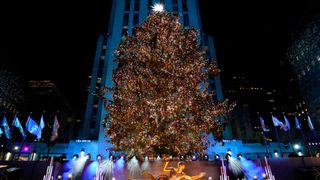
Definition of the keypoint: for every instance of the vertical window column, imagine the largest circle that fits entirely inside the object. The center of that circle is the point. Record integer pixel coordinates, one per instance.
(185, 13)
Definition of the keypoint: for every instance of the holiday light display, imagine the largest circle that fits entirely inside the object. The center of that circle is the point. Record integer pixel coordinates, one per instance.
(160, 100)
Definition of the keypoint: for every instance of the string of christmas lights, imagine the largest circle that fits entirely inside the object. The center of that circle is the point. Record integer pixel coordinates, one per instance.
(160, 100)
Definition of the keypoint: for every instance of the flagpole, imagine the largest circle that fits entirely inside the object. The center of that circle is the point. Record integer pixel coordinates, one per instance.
(305, 141)
(298, 126)
(8, 140)
(265, 142)
(35, 145)
(23, 138)
(4, 132)
(11, 131)
(290, 136)
(49, 144)
(264, 137)
(314, 133)
(277, 135)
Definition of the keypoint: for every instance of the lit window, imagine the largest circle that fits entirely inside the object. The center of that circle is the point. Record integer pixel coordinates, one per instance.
(184, 6)
(125, 19)
(127, 5)
(186, 20)
(135, 18)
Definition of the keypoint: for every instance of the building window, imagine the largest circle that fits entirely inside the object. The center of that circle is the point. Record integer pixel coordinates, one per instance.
(94, 111)
(186, 20)
(184, 6)
(125, 19)
(124, 32)
(149, 5)
(135, 18)
(175, 5)
(127, 5)
(136, 5)
(175, 8)
(100, 69)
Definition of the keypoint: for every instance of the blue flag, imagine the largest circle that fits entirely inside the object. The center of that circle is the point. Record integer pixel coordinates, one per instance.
(55, 128)
(1, 132)
(298, 125)
(41, 126)
(6, 128)
(32, 126)
(276, 121)
(263, 126)
(287, 124)
(310, 123)
(17, 124)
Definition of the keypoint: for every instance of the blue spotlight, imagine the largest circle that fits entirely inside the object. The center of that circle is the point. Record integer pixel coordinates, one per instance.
(228, 155)
(111, 157)
(206, 157)
(229, 152)
(82, 153)
(239, 156)
(88, 156)
(194, 158)
(99, 157)
(217, 157)
(75, 156)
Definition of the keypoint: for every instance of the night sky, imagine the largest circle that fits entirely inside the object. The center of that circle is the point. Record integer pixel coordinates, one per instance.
(56, 40)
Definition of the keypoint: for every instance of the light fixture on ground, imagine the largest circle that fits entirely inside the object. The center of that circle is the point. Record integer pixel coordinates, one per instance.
(296, 146)
(82, 153)
(194, 158)
(229, 152)
(217, 157)
(75, 156)
(99, 157)
(206, 157)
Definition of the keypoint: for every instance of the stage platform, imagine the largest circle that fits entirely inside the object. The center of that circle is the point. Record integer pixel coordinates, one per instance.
(282, 168)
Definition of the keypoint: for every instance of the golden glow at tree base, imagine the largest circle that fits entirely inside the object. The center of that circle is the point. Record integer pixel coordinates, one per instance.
(160, 100)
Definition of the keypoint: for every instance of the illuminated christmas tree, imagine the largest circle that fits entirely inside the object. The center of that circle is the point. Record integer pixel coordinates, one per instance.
(160, 99)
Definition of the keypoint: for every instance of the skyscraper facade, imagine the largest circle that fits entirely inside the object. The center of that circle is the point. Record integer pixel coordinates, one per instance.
(126, 14)
(304, 58)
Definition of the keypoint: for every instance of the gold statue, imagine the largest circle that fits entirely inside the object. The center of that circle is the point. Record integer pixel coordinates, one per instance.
(179, 174)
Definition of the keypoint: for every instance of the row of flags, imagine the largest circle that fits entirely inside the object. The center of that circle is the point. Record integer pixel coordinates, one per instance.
(286, 125)
(31, 126)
